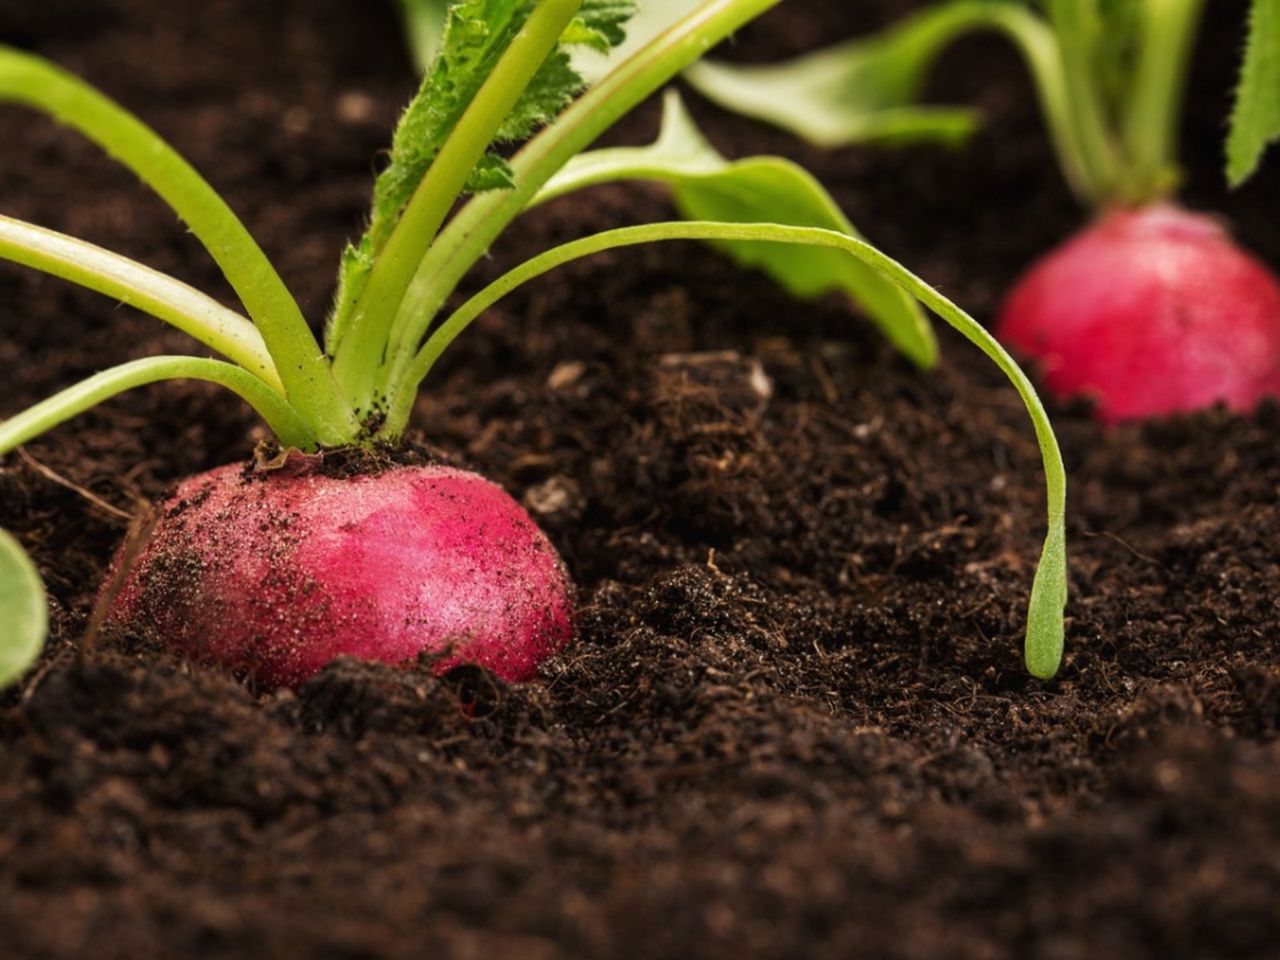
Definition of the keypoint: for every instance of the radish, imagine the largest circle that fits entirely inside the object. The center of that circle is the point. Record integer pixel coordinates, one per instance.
(1162, 312)
(1150, 309)
(382, 566)
(272, 571)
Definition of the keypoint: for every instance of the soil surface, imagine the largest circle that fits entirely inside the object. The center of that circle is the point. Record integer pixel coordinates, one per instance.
(796, 722)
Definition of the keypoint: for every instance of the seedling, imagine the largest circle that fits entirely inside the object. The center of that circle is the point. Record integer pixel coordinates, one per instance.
(1151, 309)
(273, 571)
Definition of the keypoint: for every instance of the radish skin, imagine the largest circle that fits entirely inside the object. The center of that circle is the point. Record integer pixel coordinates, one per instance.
(1150, 312)
(272, 574)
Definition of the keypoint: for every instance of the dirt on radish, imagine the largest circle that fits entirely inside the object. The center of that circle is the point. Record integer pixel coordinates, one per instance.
(796, 720)
(273, 570)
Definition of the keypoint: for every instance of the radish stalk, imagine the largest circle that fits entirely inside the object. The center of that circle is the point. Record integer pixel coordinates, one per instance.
(141, 287)
(362, 350)
(32, 82)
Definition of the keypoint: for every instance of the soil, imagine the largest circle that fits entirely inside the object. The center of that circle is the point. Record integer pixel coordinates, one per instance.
(796, 722)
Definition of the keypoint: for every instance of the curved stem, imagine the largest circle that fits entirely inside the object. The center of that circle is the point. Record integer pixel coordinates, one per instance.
(24, 610)
(141, 287)
(1042, 53)
(469, 234)
(1151, 120)
(1077, 27)
(364, 346)
(33, 82)
(283, 420)
(1044, 635)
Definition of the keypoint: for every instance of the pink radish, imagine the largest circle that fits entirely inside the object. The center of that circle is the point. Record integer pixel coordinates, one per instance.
(272, 574)
(1150, 311)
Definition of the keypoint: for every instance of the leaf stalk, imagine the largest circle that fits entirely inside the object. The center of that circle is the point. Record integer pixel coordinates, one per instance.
(363, 348)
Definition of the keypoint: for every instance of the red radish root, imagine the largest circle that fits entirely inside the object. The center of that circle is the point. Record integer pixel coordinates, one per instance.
(1150, 311)
(272, 574)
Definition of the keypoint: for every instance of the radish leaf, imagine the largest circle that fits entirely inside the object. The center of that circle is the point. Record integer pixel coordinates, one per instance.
(599, 27)
(1255, 122)
(476, 33)
(706, 186)
(283, 419)
(127, 281)
(864, 90)
(23, 611)
(424, 26)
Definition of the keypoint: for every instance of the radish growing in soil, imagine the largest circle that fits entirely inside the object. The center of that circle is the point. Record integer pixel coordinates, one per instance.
(1151, 309)
(273, 568)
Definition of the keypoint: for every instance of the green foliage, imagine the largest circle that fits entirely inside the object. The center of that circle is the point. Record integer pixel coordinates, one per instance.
(1255, 122)
(476, 33)
(599, 26)
(424, 28)
(861, 91)
(708, 187)
(23, 611)
(1109, 75)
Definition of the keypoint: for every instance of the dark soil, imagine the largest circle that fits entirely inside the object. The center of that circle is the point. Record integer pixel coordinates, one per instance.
(796, 723)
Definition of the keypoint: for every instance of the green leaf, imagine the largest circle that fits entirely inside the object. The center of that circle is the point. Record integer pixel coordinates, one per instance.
(706, 186)
(424, 28)
(473, 230)
(35, 83)
(23, 611)
(650, 18)
(601, 25)
(360, 360)
(475, 35)
(866, 90)
(126, 281)
(861, 91)
(284, 421)
(1255, 122)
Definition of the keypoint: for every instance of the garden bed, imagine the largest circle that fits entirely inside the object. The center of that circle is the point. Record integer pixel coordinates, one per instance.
(796, 722)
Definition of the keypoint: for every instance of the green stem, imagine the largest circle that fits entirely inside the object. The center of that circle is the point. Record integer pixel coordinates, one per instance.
(1167, 31)
(364, 346)
(38, 84)
(796, 94)
(1028, 33)
(470, 233)
(1044, 636)
(1043, 57)
(140, 287)
(283, 420)
(1078, 30)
